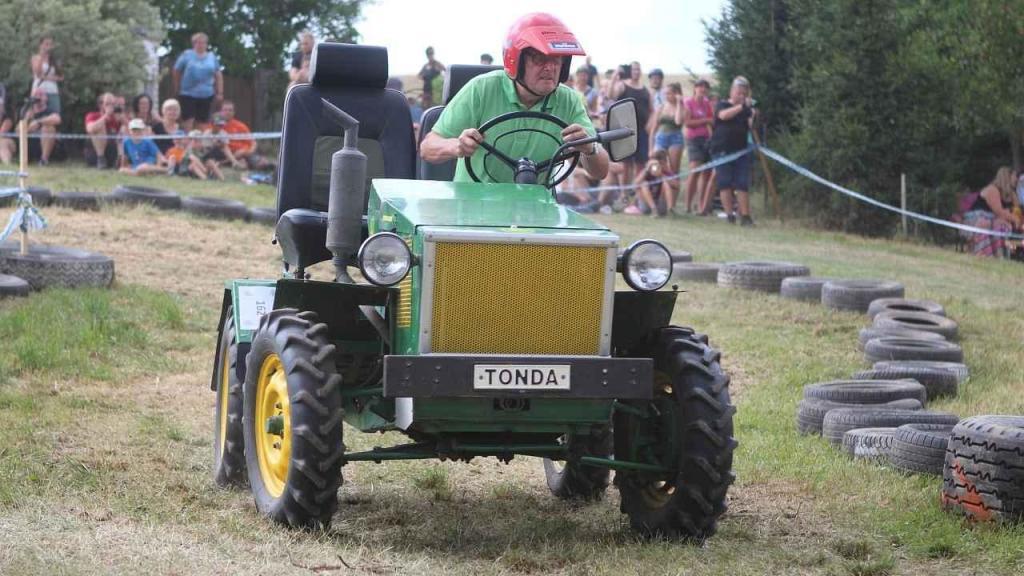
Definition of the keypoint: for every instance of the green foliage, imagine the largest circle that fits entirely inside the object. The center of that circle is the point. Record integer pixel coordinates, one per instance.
(253, 34)
(874, 89)
(97, 46)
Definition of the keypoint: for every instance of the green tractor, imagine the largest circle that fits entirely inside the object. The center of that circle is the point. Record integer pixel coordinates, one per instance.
(486, 323)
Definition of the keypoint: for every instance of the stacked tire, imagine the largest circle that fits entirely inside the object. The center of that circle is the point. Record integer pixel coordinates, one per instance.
(983, 472)
(857, 295)
(822, 398)
(759, 276)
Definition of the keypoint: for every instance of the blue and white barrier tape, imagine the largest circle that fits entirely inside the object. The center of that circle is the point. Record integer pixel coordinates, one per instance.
(221, 136)
(13, 174)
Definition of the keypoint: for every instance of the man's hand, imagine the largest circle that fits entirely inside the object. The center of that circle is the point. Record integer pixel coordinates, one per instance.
(574, 132)
(468, 142)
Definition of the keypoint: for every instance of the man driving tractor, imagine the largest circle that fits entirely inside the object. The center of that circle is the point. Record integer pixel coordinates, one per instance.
(537, 57)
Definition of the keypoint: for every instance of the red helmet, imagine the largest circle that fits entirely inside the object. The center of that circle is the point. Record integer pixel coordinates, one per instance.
(545, 34)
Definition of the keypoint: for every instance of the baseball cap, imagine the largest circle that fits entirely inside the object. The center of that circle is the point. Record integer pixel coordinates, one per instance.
(655, 72)
(137, 124)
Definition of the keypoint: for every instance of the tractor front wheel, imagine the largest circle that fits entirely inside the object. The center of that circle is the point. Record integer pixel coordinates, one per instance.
(293, 420)
(572, 480)
(228, 445)
(687, 430)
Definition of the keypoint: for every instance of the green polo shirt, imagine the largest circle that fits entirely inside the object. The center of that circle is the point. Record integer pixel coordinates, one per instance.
(493, 94)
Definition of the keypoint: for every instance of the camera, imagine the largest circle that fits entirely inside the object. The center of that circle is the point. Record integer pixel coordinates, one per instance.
(118, 109)
(626, 71)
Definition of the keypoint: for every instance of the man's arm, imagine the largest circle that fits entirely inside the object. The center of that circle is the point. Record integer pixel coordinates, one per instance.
(436, 148)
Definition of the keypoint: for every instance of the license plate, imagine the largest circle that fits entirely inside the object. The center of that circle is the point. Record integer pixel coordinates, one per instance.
(521, 377)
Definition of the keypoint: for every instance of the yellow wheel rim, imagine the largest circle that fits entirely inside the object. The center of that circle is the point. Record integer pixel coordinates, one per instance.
(222, 415)
(273, 449)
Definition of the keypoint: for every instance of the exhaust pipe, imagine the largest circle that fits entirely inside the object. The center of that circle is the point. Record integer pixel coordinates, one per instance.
(347, 195)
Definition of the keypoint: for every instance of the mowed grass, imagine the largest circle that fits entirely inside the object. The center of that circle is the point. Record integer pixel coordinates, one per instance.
(106, 468)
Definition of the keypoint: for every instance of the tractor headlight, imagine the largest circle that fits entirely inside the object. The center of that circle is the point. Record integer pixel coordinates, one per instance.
(384, 259)
(646, 265)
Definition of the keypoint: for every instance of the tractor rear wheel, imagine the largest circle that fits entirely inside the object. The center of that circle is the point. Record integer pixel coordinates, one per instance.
(571, 480)
(228, 444)
(687, 430)
(293, 420)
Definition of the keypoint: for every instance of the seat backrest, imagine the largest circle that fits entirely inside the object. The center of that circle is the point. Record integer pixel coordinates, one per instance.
(352, 77)
(457, 77)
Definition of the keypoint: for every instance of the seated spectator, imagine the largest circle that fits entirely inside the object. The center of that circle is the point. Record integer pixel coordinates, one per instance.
(171, 112)
(43, 120)
(142, 107)
(182, 160)
(142, 157)
(242, 151)
(7, 146)
(106, 121)
(654, 186)
(213, 151)
(992, 209)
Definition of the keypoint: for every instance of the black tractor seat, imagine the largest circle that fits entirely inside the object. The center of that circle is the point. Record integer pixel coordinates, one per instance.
(302, 235)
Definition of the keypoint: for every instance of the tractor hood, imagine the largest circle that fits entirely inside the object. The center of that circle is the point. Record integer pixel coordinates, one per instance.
(405, 205)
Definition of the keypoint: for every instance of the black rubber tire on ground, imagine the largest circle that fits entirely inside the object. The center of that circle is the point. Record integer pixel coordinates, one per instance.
(864, 391)
(56, 266)
(228, 441)
(936, 381)
(870, 333)
(163, 199)
(222, 208)
(681, 256)
(810, 412)
(983, 475)
(905, 305)
(13, 286)
(920, 448)
(909, 349)
(837, 422)
(807, 288)
(696, 271)
(857, 295)
(760, 276)
(918, 321)
(40, 196)
(691, 403)
(574, 481)
(262, 215)
(958, 369)
(77, 200)
(309, 492)
(868, 443)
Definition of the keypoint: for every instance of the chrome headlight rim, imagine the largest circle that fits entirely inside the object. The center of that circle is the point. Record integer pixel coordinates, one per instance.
(365, 251)
(627, 256)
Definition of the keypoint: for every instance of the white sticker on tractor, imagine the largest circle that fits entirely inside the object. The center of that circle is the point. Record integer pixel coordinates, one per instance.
(253, 303)
(520, 377)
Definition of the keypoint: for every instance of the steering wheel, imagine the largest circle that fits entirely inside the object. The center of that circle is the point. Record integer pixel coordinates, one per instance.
(516, 165)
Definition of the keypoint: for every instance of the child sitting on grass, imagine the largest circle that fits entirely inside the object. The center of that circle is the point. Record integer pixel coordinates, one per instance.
(182, 160)
(141, 153)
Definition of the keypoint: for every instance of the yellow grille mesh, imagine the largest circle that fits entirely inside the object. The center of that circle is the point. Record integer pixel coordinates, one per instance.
(404, 316)
(517, 298)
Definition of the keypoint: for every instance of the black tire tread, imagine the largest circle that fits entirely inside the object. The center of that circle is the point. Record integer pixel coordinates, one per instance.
(576, 481)
(759, 276)
(229, 465)
(937, 382)
(983, 475)
(863, 391)
(54, 266)
(215, 207)
(904, 305)
(868, 443)
(857, 295)
(924, 321)
(838, 421)
(872, 332)
(890, 348)
(920, 448)
(806, 288)
(811, 412)
(696, 271)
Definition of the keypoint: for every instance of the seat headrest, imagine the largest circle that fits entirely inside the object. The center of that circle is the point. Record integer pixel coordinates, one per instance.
(336, 65)
(458, 75)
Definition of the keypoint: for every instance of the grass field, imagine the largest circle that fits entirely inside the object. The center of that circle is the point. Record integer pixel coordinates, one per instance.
(106, 416)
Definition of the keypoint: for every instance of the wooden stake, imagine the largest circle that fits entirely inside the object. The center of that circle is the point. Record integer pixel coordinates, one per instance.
(767, 175)
(22, 177)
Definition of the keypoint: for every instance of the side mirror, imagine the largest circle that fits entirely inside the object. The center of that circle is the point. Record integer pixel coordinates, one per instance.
(622, 115)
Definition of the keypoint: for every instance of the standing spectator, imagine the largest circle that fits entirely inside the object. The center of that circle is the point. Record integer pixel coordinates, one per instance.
(198, 81)
(141, 154)
(592, 71)
(655, 78)
(46, 74)
(486, 59)
(106, 121)
(629, 85)
(171, 112)
(299, 72)
(698, 117)
(733, 118)
(668, 135)
(242, 151)
(431, 74)
(44, 121)
(992, 209)
(142, 108)
(587, 94)
(7, 146)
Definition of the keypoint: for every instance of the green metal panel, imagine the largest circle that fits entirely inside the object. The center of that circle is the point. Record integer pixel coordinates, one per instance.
(440, 415)
(432, 203)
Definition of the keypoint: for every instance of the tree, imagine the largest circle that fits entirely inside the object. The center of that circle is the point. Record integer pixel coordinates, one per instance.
(751, 39)
(250, 34)
(97, 45)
